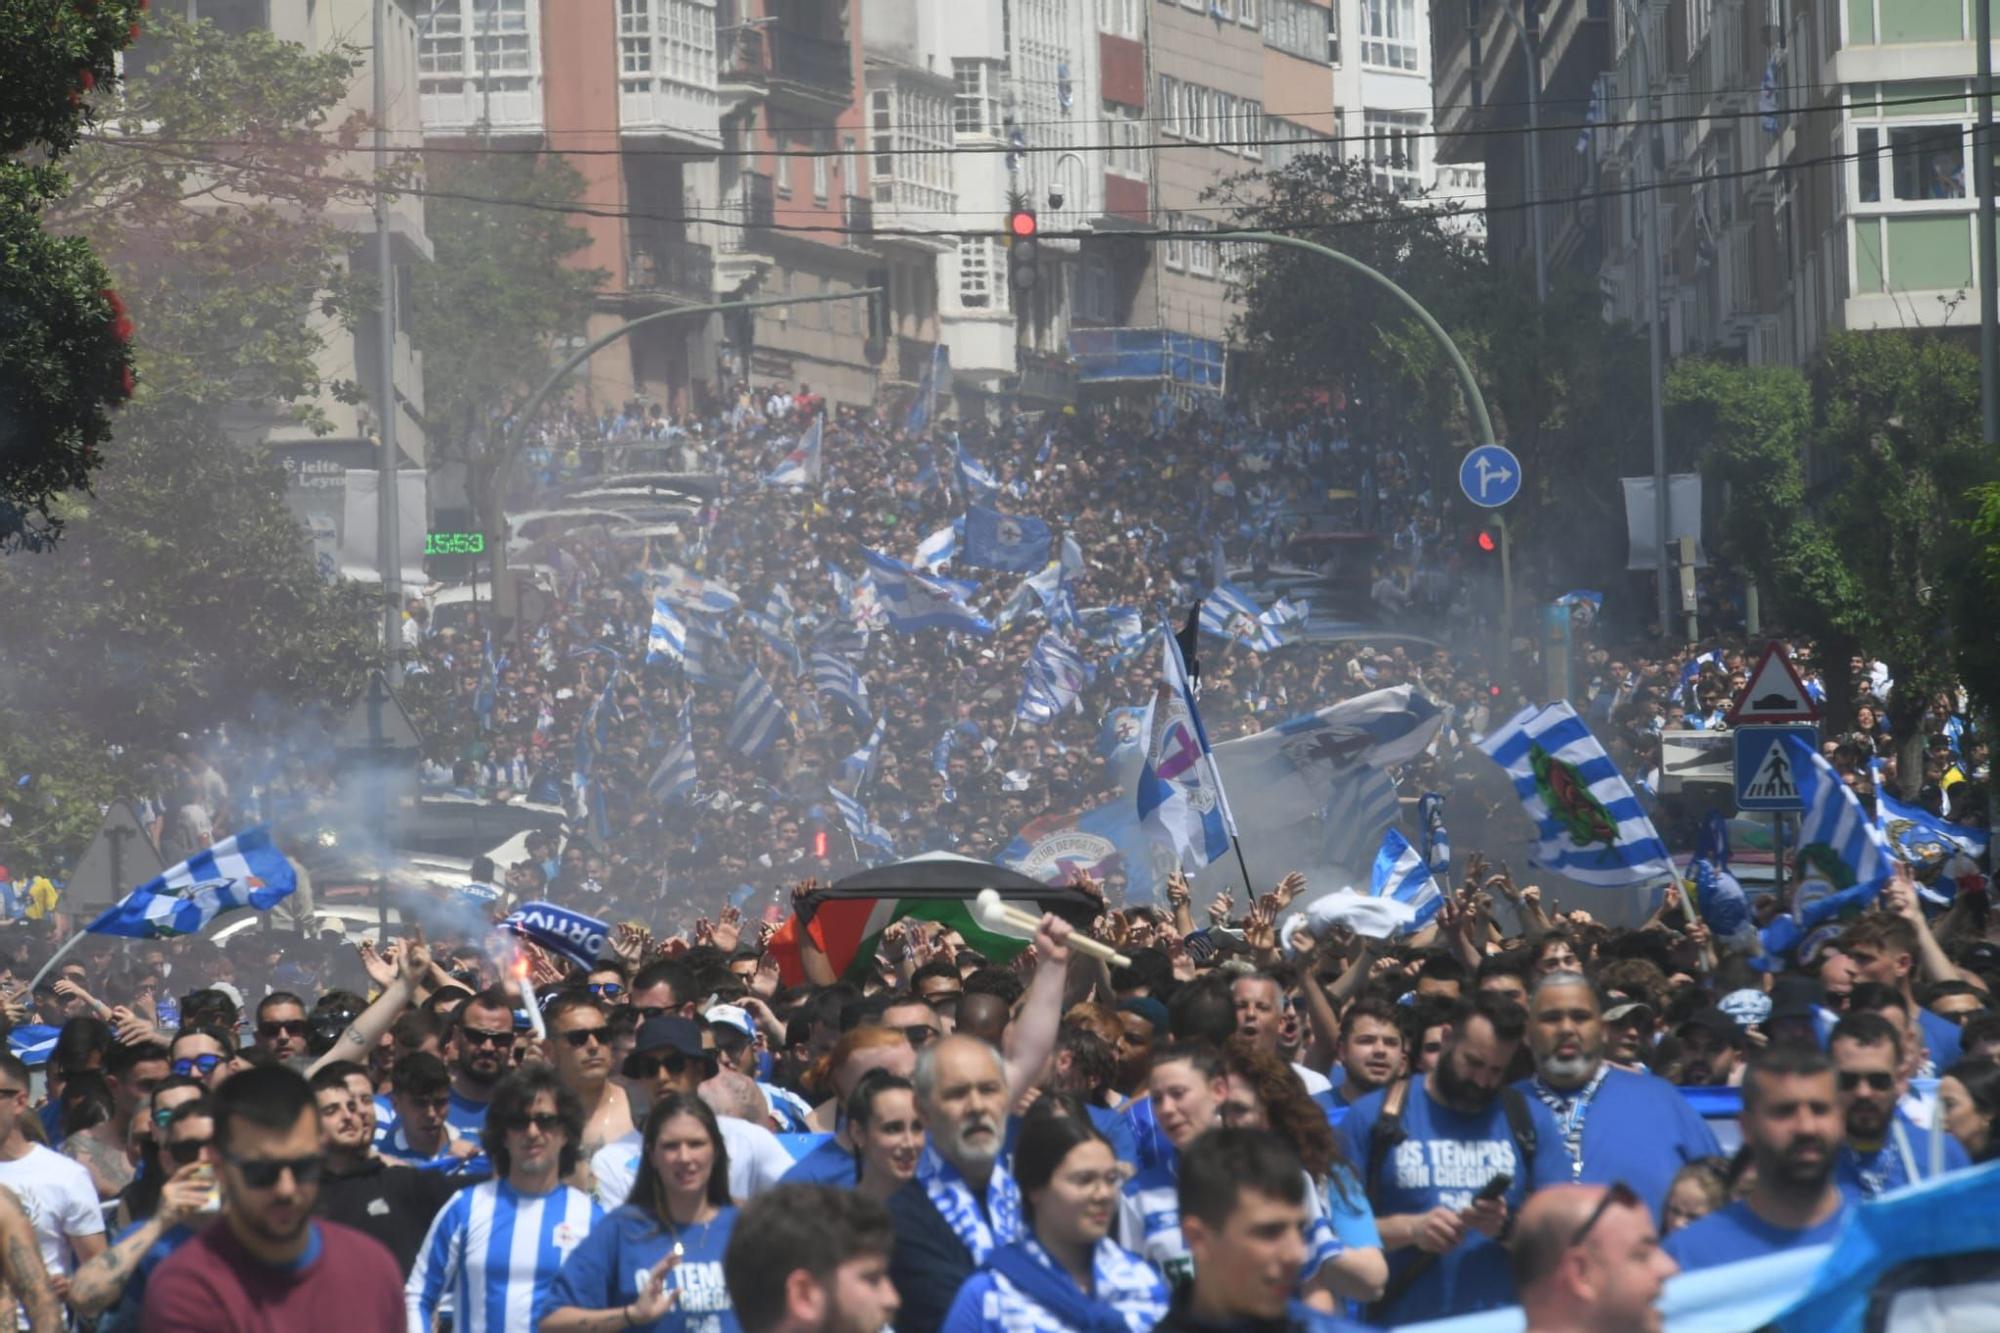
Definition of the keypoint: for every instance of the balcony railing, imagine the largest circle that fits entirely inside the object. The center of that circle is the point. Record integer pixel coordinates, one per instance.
(659, 264)
(815, 62)
(740, 53)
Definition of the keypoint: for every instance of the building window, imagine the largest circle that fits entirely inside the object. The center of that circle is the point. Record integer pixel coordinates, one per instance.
(1299, 29)
(1170, 106)
(1120, 18)
(1124, 131)
(478, 37)
(975, 272)
(669, 39)
(1394, 154)
(822, 164)
(1175, 257)
(1250, 123)
(975, 105)
(1246, 13)
(1389, 33)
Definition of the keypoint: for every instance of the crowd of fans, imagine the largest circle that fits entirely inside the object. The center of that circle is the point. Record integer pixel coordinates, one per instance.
(696, 1131)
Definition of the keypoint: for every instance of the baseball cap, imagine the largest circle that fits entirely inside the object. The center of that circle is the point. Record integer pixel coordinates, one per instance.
(1714, 1022)
(667, 1034)
(1747, 1006)
(1630, 1009)
(1794, 997)
(731, 1015)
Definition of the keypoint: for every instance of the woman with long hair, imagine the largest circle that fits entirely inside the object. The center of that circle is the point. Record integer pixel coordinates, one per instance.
(1066, 1275)
(656, 1262)
(886, 1133)
(1969, 1096)
(1265, 1094)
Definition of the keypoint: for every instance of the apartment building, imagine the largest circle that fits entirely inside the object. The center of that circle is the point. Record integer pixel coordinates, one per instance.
(1383, 72)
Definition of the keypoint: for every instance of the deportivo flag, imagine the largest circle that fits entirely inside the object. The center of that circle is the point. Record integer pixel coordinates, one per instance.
(1842, 857)
(668, 636)
(573, 935)
(861, 825)
(243, 871)
(1011, 543)
(1180, 796)
(757, 718)
(1400, 873)
(1230, 613)
(1588, 823)
(915, 601)
(1053, 681)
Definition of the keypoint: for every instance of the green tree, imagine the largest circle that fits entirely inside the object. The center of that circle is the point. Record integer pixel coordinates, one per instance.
(489, 311)
(65, 363)
(184, 597)
(1851, 499)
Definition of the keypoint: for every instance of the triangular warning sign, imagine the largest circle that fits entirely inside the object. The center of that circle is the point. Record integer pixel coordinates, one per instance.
(1774, 780)
(120, 858)
(1775, 693)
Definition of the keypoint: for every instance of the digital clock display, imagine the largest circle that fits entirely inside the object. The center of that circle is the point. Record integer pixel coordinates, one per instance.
(454, 543)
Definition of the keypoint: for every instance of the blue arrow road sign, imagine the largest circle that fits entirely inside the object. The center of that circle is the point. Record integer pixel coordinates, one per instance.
(1765, 776)
(1490, 476)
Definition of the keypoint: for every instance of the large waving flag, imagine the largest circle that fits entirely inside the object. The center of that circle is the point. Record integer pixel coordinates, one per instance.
(1437, 843)
(1230, 613)
(940, 547)
(1927, 842)
(801, 466)
(935, 379)
(1012, 543)
(1400, 873)
(858, 769)
(675, 777)
(1589, 825)
(758, 719)
(913, 600)
(1180, 796)
(1053, 681)
(668, 636)
(1843, 857)
(243, 871)
(711, 596)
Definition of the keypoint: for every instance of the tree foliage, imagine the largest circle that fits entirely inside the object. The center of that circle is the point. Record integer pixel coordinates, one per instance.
(65, 364)
(488, 313)
(1851, 497)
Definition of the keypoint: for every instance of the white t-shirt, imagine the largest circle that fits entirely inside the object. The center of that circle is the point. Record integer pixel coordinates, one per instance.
(60, 1200)
(757, 1161)
(1315, 1082)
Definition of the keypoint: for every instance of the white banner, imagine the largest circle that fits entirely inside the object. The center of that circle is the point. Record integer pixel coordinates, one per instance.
(1642, 520)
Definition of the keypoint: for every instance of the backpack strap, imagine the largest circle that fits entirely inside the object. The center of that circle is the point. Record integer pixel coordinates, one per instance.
(1386, 1132)
(1521, 1124)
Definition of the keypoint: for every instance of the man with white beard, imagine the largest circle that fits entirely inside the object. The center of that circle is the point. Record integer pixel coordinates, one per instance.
(1617, 1124)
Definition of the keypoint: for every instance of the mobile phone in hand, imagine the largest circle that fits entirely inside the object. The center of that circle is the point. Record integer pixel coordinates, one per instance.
(1495, 1188)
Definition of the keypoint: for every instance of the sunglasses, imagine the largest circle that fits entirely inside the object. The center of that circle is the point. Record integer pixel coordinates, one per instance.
(646, 1011)
(1618, 1193)
(649, 1066)
(187, 1152)
(261, 1173)
(546, 1121)
(291, 1027)
(578, 1038)
(482, 1037)
(607, 990)
(203, 1064)
(1877, 1080)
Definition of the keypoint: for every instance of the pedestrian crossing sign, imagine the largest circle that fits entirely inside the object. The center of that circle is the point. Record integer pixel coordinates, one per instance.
(1766, 773)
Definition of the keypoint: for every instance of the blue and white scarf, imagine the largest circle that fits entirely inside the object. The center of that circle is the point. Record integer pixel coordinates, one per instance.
(979, 1231)
(1032, 1293)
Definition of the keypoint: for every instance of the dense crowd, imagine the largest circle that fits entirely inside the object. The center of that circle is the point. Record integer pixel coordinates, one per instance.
(698, 1124)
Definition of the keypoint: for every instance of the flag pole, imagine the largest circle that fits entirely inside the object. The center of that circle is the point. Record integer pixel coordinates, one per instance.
(55, 958)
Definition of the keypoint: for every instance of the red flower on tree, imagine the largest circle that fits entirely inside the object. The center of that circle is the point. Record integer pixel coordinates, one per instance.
(121, 321)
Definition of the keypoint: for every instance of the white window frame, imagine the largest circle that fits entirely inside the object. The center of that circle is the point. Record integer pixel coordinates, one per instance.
(981, 99)
(1246, 13)
(1251, 118)
(1174, 255)
(1392, 148)
(1389, 37)
(1125, 134)
(1201, 252)
(1885, 162)
(976, 288)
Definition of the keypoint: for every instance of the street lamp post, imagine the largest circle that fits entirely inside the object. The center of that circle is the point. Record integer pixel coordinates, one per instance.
(1531, 56)
(1654, 349)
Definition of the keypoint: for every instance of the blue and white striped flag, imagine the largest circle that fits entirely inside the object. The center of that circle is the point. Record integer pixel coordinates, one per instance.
(1843, 857)
(1230, 613)
(1588, 823)
(773, 632)
(1052, 682)
(940, 547)
(1437, 843)
(935, 379)
(243, 871)
(1593, 116)
(779, 606)
(980, 485)
(801, 466)
(1119, 627)
(1400, 873)
(915, 601)
(668, 636)
(858, 769)
(675, 776)
(709, 661)
(1180, 798)
(711, 596)
(1011, 543)
(1928, 843)
(1691, 674)
(860, 826)
(758, 719)
(1768, 107)
(835, 677)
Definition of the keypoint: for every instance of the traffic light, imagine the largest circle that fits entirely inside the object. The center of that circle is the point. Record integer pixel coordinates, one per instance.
(1484, 542)
(1023, 247)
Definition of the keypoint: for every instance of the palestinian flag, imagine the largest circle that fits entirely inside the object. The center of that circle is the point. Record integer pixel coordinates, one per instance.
(848, 919)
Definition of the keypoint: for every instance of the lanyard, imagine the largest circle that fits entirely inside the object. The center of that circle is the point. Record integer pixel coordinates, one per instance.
(1569, 1113)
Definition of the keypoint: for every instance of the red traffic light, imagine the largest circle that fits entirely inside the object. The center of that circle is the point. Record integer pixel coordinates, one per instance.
(1486, 542)
(1021, 223)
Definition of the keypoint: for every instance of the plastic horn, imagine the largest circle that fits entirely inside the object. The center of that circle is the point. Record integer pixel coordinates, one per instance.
(998, 917)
